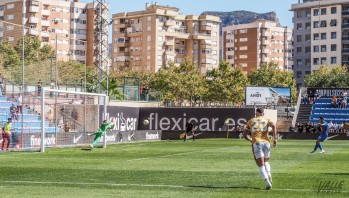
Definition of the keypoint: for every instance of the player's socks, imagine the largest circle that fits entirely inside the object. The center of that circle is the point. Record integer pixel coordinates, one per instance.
(268, 184)
(320, 147)
(263, 172)
(267, 169)
(316, 146)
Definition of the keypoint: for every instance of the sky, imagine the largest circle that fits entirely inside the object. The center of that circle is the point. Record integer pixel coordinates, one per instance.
(196, 7)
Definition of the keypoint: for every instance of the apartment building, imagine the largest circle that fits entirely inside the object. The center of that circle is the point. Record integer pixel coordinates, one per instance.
(64, 20)
(250, 45)
(321, 32)
(150, 39)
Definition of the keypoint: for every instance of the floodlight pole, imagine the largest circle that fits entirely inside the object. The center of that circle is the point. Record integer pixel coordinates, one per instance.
(23, 64)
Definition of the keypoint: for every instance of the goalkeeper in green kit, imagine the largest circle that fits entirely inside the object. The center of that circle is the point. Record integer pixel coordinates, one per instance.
(100, 132)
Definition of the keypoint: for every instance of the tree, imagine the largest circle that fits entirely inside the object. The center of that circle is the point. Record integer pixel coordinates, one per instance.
(226, 84)
(31, 49)
(270, 75)
(179, 84)
(9, 54)
(328, 77)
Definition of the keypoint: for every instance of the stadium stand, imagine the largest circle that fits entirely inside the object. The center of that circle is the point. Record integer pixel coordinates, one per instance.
(324, 108)
(31, 121)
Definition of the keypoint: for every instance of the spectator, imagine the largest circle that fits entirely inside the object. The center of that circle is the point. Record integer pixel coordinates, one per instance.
(316, 96)
(6, 135)
(20, 103)
(300, 127)
(305, 97)
(330, 126)
(39, 87)
(52, 86)
(344, 103)
(339, 102)
(334, 101)
(310, 97)
(1, 83)
(308, 127)
(13, 112)
(335, 127)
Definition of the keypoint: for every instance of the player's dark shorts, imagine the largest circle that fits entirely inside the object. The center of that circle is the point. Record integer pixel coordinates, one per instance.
(322, 138)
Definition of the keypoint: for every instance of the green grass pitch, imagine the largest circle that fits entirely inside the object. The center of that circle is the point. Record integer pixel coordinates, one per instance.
(204, 168)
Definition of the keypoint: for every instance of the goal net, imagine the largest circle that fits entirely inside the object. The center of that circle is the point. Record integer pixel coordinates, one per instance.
(66, 118)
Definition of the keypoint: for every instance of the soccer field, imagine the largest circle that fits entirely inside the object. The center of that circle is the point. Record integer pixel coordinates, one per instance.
(204, 168)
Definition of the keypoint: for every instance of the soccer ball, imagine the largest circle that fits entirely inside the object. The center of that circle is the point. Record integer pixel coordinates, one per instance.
(145, 122)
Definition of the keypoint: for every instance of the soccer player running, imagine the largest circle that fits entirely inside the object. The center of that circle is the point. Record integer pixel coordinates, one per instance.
(100, 132)
(258, 128)
(323, 126)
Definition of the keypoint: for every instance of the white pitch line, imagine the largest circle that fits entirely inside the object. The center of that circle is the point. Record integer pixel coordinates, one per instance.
(155, 185)
(184, 153)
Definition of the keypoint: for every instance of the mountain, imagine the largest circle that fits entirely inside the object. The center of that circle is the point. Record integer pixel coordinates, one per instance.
(241, 17)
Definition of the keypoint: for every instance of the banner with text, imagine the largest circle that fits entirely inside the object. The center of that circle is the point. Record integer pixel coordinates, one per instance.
(267, 95)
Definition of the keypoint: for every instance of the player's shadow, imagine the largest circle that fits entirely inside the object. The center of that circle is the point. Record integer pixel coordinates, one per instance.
(226, 187)
(337, 173)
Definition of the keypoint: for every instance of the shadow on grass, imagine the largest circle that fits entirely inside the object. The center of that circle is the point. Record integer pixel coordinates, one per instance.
(226, 187)
(336, 173)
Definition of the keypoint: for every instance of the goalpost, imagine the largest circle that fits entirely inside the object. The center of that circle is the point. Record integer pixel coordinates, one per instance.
(68, 117)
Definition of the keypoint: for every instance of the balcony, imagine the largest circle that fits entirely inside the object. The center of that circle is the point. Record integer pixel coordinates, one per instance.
(265, 42)
(169, 42)
(45, 23)
(345, 62)
(345, 25)
(169, 23)
(34, 8)
(45, 12)
(206, 27)
(33, 32)
(345, 12)
(265, 34)
(33, 20)
(265, 51)
(201, 36)
(45, 34)
(265, 59)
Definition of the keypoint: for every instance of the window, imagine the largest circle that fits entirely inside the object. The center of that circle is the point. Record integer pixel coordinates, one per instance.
(333, 60)
(299, 62)
(10, 6)
(307, 72)
(307, 37)
(299, 14)
(333, 35)
(307, 13)
(307, 26)
(149, 28)
(243, 39)
(307, 62)
(2, 8)
(316, 24)
(323, 60)
(299, 74)
(299, 50)
(243, 31)
(323, 11)
(316, 36)
(10, 38)
(299, 26)
(333, 47)
(316, 48)
(149, 18)
(243, 48)
(307, 49)
(316, 12)
(323, 48)
(9, 17)
(243, 56)
(323, 36)
(333, 22)
(299, 38)
(323, 23)
(315, 61)
(333, 10)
